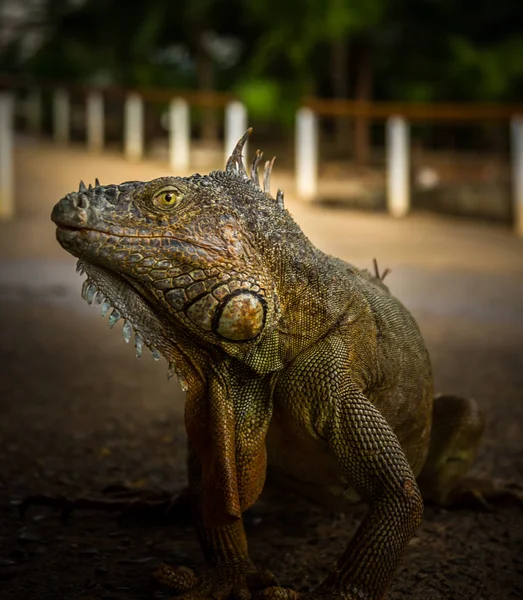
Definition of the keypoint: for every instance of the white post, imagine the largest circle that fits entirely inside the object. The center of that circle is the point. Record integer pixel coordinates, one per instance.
(61, 116)
(95, 121)
(517, 172)
(179, 134)
(7, 207)
(398, 192)
(306, 154)
(133, 126)
(235, 127)
(34, 112)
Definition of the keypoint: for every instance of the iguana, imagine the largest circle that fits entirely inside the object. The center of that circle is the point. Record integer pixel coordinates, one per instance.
(291, 359)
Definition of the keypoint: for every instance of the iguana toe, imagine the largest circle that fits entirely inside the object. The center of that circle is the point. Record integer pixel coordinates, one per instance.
(321, 593)
(179, 579)
(239, 581)
(278, 593)
(485, 494)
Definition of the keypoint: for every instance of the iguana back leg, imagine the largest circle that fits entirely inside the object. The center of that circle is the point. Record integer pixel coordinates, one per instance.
(457, 430)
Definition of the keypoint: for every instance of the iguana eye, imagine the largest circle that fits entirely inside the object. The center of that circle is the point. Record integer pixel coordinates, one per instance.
(167, 198)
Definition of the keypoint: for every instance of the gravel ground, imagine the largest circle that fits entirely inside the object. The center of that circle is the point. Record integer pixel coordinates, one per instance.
(79, 412)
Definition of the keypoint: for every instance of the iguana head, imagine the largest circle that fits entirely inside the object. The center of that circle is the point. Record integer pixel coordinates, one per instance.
(178, 255)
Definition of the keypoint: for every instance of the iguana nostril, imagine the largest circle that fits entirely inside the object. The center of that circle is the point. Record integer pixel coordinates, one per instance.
(72, 198)
(72, 211)
(77, 200)
(83, 201)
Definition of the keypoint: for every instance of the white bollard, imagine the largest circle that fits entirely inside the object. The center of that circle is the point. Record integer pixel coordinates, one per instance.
(95, 121)
(235, 127)
(7, 207)
(179, 134)
(517, 172)
(306, 154)
(133, 126)
(34, 112)
(61, 116)
(398, 192)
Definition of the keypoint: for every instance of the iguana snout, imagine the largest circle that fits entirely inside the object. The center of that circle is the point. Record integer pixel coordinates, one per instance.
(72, 212)
(82, 216)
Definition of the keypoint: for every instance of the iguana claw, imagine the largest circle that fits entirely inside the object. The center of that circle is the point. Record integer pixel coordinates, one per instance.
(237, 580)
(322, 593)
(486, 494)
(279, 593)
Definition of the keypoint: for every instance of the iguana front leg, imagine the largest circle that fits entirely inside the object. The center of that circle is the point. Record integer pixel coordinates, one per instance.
(226, 424)
(371, 457)
(372, 462)
(231, 573)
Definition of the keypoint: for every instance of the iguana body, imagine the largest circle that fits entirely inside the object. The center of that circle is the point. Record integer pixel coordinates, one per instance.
(289, 357)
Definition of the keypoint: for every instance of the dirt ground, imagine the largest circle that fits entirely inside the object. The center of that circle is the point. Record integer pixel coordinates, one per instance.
(78, 412)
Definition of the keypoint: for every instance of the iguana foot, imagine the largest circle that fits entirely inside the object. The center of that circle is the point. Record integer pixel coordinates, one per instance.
(484, 494)
(147, 505)
(280, 593)
(321, 593)
(239, 581)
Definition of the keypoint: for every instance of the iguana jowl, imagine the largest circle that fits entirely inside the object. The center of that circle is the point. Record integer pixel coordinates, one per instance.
(289, 357)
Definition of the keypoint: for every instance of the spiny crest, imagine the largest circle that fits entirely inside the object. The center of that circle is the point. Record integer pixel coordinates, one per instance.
(235, 165)
(83, 188)
(92, 295)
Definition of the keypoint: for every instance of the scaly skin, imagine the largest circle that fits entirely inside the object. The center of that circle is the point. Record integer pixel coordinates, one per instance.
(290, 358)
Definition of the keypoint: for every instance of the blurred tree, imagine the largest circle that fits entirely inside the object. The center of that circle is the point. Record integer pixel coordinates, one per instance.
(197, 18)
(445, 50)
(153, 43)
(489, 72)
(293, 37)
(272, 52)
(293, 31)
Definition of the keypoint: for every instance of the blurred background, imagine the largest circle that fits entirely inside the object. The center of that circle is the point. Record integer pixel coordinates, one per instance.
(398, 131)
(453, 71)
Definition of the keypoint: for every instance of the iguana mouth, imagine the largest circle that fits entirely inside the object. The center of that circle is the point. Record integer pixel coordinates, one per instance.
(126, 299)
(69, 228)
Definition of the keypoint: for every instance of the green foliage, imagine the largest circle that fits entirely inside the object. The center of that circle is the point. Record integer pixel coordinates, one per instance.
(423, 50)
(262, 97)
(490, 72)
(267, 99)
(294, 31)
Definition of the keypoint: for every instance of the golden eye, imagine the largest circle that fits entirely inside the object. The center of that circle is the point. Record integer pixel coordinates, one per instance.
(167, 198)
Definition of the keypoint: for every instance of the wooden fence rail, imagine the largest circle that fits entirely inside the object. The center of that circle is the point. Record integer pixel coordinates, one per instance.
(396, 116)
(381, 111)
